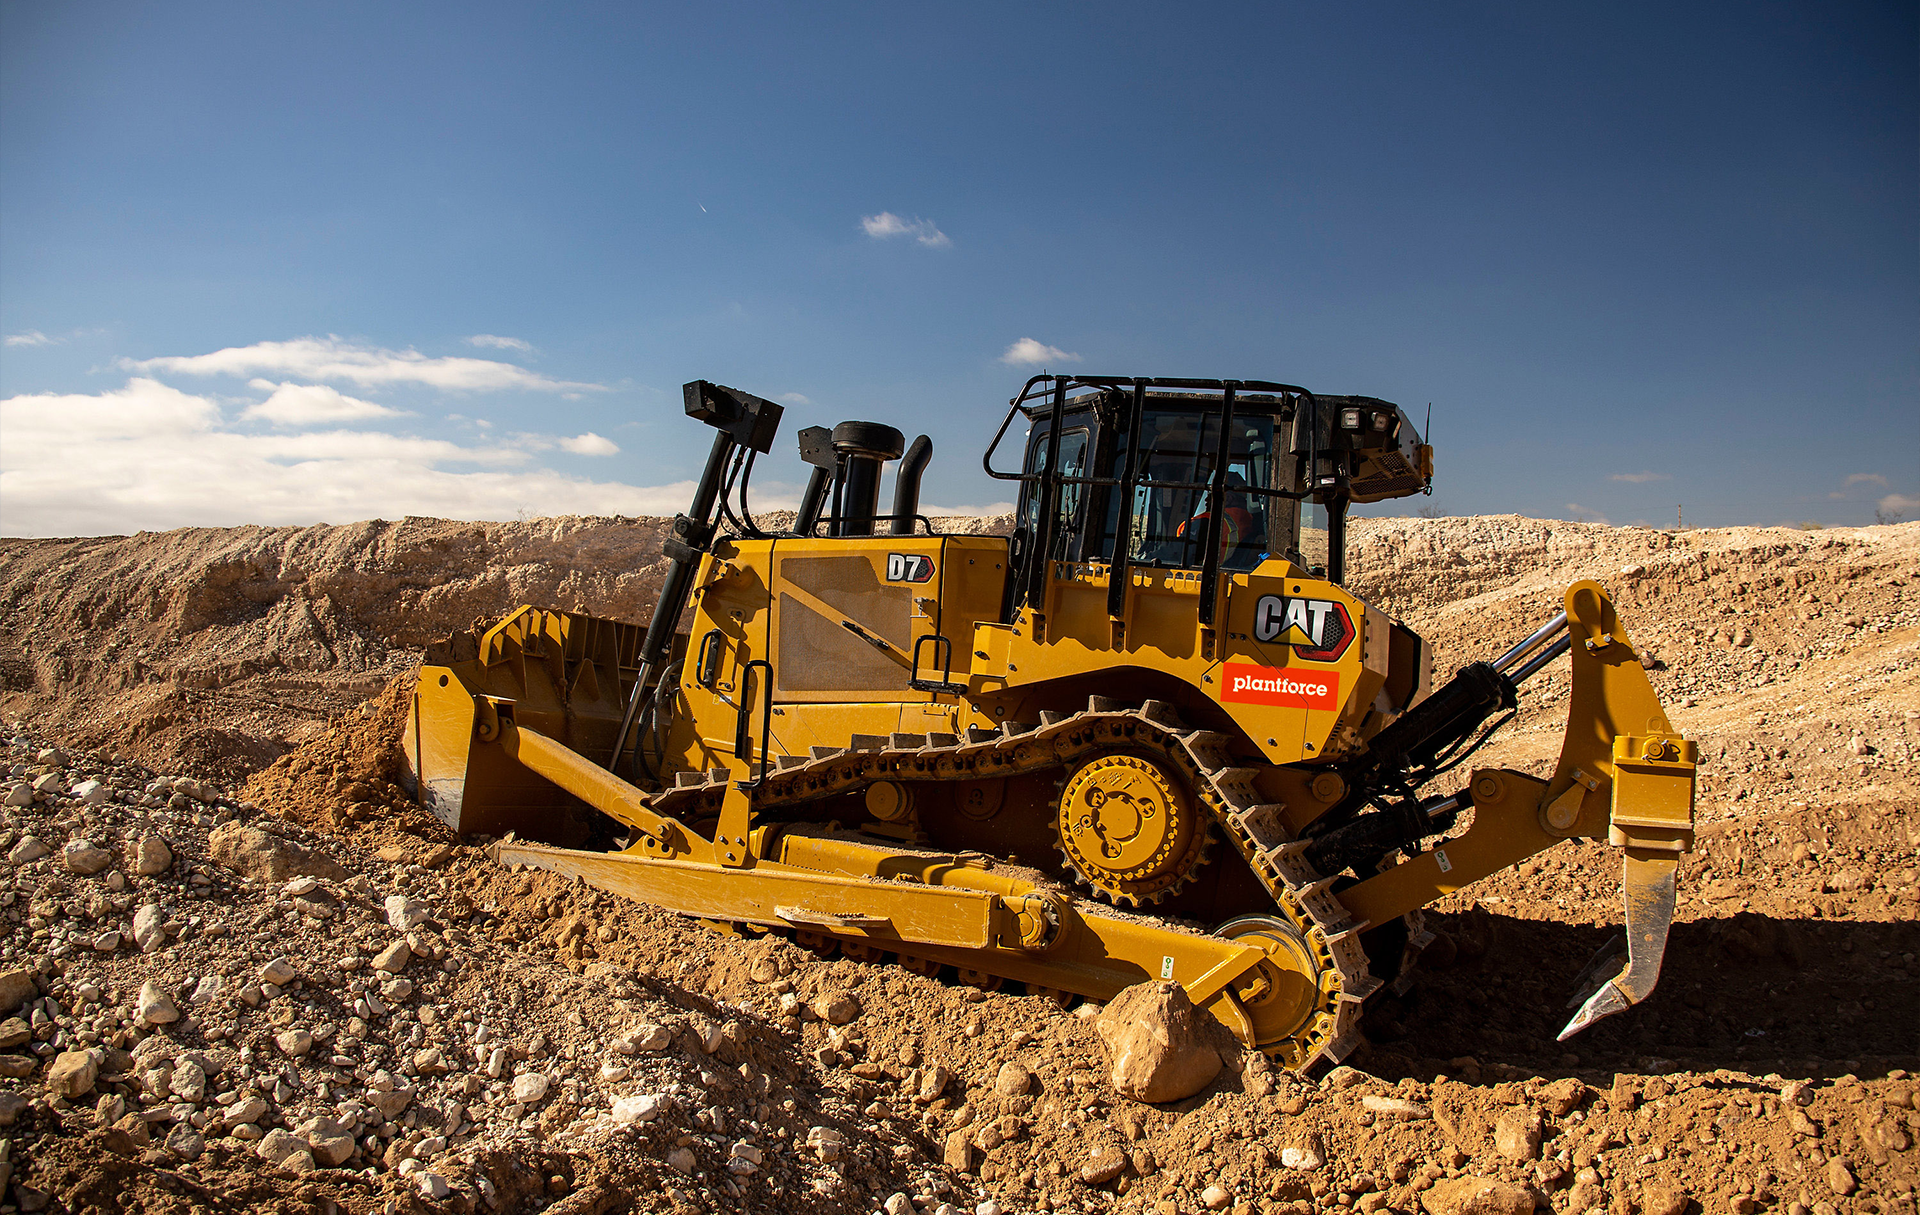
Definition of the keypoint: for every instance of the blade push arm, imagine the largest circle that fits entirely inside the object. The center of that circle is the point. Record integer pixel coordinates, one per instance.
(1624, 774)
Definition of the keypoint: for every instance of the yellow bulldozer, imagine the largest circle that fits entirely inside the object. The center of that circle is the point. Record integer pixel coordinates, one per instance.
(1148, 735)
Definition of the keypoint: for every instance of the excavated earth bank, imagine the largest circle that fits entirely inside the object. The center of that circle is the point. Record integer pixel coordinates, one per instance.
(240, 972)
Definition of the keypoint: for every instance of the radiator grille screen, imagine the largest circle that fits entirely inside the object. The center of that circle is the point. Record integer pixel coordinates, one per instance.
(818, 654)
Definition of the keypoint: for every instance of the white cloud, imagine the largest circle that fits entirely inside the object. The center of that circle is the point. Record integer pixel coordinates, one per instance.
(330, 358)
(1027, 351)
(1580, 514)
(1640, 478)
(151, 456)
(796, 398)
(32, 337)
(991, 508)
(309, 404)
(496, 342)
(1866, 479)
(887, 225)
(590, 444)
(1906, 506)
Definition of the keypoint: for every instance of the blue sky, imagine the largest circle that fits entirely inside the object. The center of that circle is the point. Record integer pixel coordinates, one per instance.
(1633, 257)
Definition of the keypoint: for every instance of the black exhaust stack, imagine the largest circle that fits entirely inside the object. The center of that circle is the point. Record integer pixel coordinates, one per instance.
(906, 485)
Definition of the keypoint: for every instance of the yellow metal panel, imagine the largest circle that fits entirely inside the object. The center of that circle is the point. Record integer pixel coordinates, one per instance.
(473, 788)
(798, 727)
(1286, 704)
(730, 598)
(1077, 603)
(1653, 782)
(823, 585)
(973, 580)
(1162, 615)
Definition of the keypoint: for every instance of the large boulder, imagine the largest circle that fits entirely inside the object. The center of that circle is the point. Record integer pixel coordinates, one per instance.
(265, 857)
(154, 1006)
(1517, 1134)
(1161, 1046)
(16, 988)
(72, 1074)
(330, 1141)
(85, 857)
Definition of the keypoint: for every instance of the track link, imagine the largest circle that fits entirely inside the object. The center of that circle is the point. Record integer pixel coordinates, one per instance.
(1204, 757)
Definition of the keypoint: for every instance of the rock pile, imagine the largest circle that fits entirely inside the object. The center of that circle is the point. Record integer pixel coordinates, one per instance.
(270, 1002)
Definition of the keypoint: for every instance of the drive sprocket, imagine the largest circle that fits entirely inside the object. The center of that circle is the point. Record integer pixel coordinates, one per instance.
(1129, 829)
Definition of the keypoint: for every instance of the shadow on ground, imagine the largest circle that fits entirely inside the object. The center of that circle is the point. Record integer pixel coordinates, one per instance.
(1801, 997)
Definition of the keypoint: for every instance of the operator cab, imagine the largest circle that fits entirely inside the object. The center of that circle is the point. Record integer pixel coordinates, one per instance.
(1292, 464)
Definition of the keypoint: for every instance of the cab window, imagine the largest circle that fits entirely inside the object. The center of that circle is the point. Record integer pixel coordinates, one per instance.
(1074, 445)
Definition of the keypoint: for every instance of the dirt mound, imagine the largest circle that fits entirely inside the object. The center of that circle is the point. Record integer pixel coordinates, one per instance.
(352, 778)
(215, 650)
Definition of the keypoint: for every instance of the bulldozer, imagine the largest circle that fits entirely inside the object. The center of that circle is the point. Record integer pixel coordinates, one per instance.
(1148, 734)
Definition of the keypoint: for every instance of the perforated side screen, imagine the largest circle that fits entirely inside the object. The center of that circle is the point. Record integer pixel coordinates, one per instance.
(819, 654)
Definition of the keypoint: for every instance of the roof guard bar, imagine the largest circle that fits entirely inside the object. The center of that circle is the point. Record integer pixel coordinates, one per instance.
(1040, 552)
(1216, 511)
(1123, 522)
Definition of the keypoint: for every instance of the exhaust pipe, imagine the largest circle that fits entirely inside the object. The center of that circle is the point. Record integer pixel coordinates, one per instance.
(906, 485)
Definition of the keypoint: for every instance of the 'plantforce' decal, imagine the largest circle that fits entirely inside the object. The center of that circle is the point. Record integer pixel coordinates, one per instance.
(1250, 684)
(1317, 629)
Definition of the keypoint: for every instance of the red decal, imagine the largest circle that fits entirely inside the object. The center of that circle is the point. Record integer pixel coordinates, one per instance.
(1242, 681)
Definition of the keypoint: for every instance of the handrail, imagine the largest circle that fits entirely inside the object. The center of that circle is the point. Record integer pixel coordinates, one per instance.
(742, 730)
(814, 530)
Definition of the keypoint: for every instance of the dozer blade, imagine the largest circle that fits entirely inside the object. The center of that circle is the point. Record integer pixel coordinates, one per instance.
(1647, 886)
(567, 675)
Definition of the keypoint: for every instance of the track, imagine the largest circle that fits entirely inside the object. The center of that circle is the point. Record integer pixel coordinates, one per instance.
(1204, 758)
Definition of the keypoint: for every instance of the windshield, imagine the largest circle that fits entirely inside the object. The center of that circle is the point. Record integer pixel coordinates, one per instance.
(1169, 522)
(1286, 448)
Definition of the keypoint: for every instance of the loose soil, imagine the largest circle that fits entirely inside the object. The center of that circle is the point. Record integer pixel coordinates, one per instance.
(1771, 1069)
